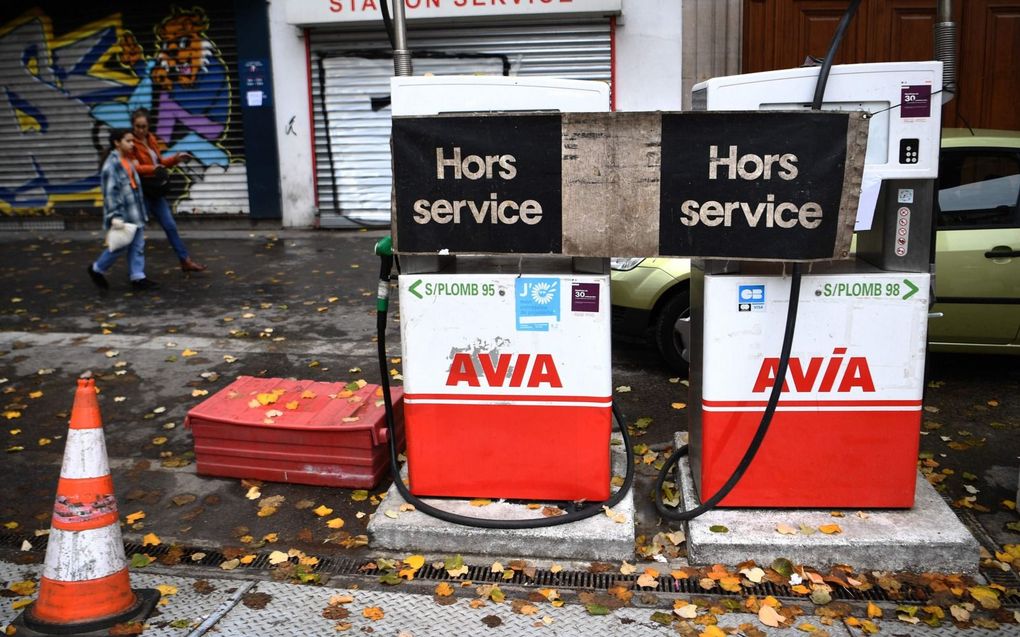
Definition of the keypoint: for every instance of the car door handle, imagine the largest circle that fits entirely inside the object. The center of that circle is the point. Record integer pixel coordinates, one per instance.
(1002, 252)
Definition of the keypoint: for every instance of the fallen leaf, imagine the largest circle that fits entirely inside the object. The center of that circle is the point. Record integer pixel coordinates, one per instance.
(131, 518)
(647, 581)
(770, 617)
(230, 565)
(322, 511)
(151, 539)
(374, 613)
(687, 611)
(678, 405)
(253, 493)
(718, 528)
(188, 353)
(335, 523)
(278, 557)
(443, 589)
(830, 529)
(480, 502)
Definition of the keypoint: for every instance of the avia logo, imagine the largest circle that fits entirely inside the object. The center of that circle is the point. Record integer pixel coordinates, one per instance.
(855, 374)
(498, 373)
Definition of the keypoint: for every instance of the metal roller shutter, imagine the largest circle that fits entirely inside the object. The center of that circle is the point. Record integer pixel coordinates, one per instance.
(69, 76)
(350, 92)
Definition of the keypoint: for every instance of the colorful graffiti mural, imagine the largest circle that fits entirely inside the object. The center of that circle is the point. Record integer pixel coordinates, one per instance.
(60, 94)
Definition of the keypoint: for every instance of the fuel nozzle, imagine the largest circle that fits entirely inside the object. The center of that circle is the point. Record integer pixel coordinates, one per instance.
(384, 248)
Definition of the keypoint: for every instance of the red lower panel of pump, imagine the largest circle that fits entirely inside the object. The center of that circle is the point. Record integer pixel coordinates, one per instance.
(515, 451)
(813, 459)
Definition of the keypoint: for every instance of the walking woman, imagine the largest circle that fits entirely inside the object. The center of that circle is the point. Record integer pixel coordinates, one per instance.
(149, 161)
(122, 203)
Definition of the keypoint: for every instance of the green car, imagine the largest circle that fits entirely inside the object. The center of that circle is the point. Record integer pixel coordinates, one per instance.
(977, 264)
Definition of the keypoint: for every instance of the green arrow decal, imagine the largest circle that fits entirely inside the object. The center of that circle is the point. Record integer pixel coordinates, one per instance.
(913, 289)
(413, 289)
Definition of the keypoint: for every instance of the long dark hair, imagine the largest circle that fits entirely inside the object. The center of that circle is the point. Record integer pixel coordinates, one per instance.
(116, 134)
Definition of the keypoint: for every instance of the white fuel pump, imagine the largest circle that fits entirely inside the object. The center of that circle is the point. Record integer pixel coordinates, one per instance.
(851, 402)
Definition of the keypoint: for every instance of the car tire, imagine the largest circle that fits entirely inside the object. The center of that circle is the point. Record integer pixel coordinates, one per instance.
(664, 330)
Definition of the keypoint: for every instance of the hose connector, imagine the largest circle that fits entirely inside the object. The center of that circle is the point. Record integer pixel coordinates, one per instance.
(384, 246)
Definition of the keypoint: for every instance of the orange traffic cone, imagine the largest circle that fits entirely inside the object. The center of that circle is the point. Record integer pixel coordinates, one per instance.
(84, 588)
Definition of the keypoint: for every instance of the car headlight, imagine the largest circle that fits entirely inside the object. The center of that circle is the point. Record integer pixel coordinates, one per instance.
(625, 263)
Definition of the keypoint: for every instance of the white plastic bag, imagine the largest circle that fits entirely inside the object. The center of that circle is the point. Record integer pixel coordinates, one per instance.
(120, 234)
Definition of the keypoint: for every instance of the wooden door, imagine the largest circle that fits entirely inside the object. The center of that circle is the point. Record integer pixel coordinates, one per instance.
(782, 33)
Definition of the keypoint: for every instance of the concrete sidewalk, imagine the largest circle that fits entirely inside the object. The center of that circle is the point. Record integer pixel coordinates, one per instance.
(233, 607)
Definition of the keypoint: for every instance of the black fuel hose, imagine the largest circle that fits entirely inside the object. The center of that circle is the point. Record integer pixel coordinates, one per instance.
(587, 511)
(759, 434)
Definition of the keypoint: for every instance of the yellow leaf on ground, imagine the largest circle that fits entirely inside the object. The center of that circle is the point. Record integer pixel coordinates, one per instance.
(497, 567)
(278, 557)
(21, 603)
(151, 539)
(230, 565)
(626, 568)
(134, 517)
(444, 589)
(293, 404)
(253, 493)
(335, 523)
(167, 589)
(873, 610)
(308, 394)
(322, 510)
(770, 617)
(188, 353)
(480, 502)
(25, 588)
(195, 393)
(830, 529)
(265, 512)
(248, 559)
(415, 561)
(374, 613)
(35, 394)
(712, 631)
(786, 529)
(731, 584)
(986, 596)
(678, 405)
(270, 537)
(647, 581)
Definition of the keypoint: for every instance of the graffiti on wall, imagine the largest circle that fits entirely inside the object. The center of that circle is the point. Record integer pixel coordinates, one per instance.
(61, 94)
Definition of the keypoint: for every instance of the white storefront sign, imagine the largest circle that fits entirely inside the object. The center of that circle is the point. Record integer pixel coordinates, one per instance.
(311, 12)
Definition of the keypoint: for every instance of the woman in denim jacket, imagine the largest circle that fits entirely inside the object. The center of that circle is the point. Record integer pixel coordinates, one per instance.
(122, 203)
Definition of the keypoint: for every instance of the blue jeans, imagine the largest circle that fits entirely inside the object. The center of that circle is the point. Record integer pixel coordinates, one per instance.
(135, 256)
(160, 209)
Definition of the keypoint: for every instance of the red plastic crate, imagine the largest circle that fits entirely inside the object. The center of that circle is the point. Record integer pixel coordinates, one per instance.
(309, 444)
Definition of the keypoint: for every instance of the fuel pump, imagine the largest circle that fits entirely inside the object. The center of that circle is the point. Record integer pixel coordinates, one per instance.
(846, 425)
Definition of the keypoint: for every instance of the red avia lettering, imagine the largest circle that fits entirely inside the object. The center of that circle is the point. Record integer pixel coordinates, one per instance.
(496, 370)
(855, 374)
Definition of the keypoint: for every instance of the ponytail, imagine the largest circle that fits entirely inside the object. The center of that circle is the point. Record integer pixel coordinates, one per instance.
(116, 134)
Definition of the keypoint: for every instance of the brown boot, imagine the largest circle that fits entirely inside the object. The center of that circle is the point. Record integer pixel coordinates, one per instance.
(187, 265)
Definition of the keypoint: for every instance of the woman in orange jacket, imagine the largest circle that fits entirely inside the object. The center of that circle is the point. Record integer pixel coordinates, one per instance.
(148, 159)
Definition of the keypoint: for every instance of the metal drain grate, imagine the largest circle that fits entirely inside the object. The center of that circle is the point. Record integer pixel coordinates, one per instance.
(18, 225)
(581, 580)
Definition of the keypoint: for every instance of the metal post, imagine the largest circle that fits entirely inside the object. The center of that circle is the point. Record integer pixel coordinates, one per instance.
(401, 55)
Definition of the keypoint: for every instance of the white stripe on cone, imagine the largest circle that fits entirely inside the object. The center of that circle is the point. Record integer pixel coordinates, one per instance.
(85, 454)
(75, 556)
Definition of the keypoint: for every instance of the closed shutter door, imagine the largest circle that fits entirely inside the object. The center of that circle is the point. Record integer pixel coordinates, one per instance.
(69, 77)
(351, 71)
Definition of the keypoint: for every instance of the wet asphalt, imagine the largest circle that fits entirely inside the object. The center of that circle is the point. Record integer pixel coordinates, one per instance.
(301, 304)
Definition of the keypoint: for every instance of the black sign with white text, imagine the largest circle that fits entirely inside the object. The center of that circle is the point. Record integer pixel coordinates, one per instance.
(777, 186)
(742, 185)
(486, 184)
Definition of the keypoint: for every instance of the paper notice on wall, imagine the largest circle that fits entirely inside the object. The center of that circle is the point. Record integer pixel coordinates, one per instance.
(870, 185)
(254, 98)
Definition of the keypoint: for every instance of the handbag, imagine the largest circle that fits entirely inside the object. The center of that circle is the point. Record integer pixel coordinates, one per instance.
(120, 234)
(157, 184)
